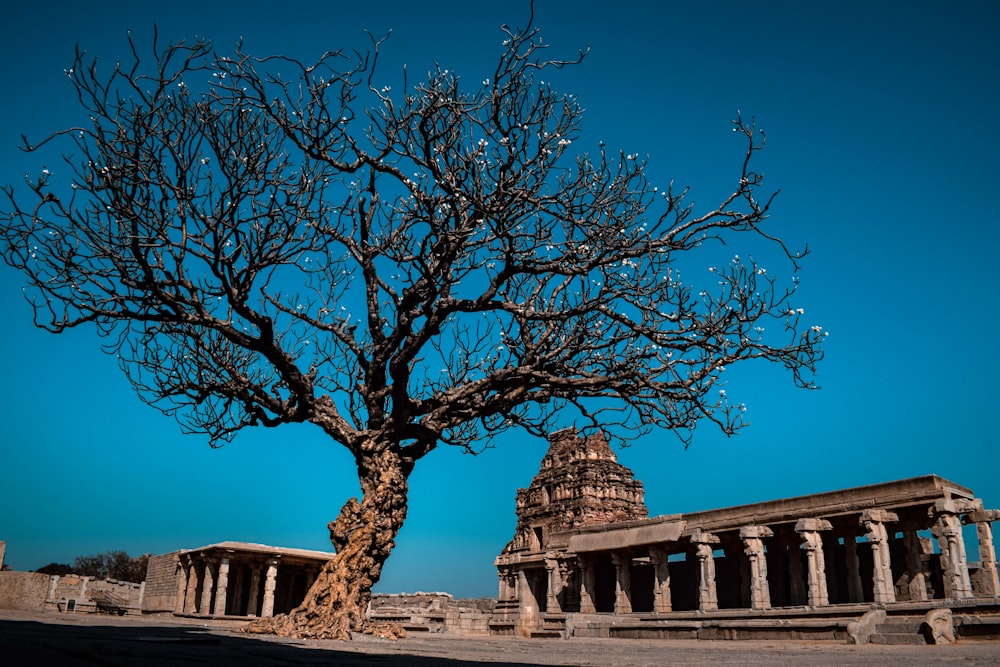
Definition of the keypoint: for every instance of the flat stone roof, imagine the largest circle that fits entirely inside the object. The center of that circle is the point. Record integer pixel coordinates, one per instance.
(251, 547)
(897, 494)
(886, 495)
(627, 537)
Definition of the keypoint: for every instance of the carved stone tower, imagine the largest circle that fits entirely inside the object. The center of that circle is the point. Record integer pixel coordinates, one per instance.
(580, 483)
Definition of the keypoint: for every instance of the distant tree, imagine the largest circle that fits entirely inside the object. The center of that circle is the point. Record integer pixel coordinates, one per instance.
(263, 242)
(112, 565)
(90, 566)
(55, 568)
(136, 569)
(118, 565)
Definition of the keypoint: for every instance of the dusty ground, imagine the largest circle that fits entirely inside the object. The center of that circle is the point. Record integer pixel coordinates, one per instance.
(72, 641)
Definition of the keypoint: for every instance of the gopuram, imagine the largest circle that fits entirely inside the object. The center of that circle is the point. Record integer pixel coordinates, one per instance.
(586, 560)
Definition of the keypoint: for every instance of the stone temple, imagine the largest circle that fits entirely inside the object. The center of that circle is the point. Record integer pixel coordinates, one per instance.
(886, 562)
(587, 560)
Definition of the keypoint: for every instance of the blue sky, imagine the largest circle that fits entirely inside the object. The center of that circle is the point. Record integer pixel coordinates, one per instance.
(882, 136)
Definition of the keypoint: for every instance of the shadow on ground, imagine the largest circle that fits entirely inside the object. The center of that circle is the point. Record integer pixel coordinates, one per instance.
(34, 643)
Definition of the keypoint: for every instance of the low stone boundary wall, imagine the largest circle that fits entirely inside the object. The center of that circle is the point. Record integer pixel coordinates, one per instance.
(32, 591)
(23, 591)
(433, 612)
(73, 593)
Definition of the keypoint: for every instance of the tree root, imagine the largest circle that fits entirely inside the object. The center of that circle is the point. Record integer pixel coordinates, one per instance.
(285, 625)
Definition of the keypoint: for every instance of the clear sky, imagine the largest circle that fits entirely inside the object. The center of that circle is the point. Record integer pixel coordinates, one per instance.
(882, 135)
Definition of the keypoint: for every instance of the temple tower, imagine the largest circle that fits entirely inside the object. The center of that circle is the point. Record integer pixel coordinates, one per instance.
(580, 483)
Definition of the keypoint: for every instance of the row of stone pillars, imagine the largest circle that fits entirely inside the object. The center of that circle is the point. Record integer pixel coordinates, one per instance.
(215, 586)
(947, 517)
(947, 528)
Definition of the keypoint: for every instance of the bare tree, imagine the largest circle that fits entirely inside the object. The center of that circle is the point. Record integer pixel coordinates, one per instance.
(109, 565)
(264, 242)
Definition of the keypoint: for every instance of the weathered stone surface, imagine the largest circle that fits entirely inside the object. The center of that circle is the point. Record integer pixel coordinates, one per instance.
(861, 631)
(23, 590)
(580, 483)
(571, 562)
(941, 626)
(627, 537)
(161, 584)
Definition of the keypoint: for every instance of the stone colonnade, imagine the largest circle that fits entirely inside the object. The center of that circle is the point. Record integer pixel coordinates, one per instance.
(237, 584)
(810, 543)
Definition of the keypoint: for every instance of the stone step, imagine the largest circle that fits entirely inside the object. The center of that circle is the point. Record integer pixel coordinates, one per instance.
(546, 634)
(910, 626)
(898, 638)
(900, 630)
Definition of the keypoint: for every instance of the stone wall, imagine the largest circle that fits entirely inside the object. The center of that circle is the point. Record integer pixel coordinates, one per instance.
(24, 591)
(81, 590)
(161, 584)
(433, 612)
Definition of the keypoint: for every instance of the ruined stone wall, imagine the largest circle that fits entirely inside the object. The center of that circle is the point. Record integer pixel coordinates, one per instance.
(161, 584)
(433, 612)
(81, 590)
(24, 591)
(430, 600)
(33, 591)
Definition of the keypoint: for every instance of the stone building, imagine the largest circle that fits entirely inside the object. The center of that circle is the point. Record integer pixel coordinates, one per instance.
(585, 554)
(233, 579)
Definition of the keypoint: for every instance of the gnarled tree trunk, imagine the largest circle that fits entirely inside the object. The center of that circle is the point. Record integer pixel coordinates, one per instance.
(363, 535)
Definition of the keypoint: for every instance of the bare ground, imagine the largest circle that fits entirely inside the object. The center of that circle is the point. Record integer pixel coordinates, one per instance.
(72, 641)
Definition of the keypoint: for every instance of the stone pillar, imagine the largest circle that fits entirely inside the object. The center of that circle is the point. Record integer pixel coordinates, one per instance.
(267, 609)
(190, 600)
(527, 605)
(207, 587)
(623, 582)
(916, 586)
(948, 531)
(513, 590)
(222, 589)
(254, 589)
(82, 596)
(812, 543)
(510, 584)
(522, 589)
(501, 585)
(874, 521)
(708, 599)
(181, 580)
(753, 547)
(661, 585)
(53, 583)
(854, 589)
(989, 583)
(553, 586)
(587, 583)
(3, 552)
